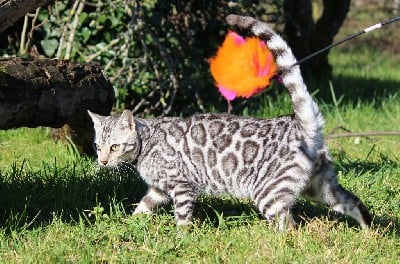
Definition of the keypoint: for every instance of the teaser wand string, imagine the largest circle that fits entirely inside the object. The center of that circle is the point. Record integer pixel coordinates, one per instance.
(366, 30)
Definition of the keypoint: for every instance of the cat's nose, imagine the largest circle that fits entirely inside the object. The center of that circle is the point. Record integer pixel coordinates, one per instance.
(104, 162)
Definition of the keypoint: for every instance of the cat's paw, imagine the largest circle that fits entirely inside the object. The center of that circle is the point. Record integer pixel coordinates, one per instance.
(142, 209)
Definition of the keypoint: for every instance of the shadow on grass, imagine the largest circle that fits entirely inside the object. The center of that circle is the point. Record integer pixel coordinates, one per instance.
(353, 89)
(346, 164)
(30, 199)
(222, 212)
(346, 90)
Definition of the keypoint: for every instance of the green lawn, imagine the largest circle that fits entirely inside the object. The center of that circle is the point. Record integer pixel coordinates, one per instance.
(58, 207)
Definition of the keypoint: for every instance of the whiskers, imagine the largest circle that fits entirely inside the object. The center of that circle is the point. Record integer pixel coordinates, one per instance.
(124, 169)
(119, 172)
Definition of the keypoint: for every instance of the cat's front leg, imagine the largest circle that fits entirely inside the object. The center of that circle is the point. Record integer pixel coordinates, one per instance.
(154, 199)
(183, 197)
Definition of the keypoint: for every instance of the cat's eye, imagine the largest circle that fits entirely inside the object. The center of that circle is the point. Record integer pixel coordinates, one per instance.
(114, 147)
(96, 147)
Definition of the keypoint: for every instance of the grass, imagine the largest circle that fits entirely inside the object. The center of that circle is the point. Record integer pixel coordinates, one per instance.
(56, 207)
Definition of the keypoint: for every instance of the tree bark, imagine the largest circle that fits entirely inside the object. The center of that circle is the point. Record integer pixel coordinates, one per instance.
(12, 10)
(306, 36)
(299, 26)
(333, 16)
(53, 93)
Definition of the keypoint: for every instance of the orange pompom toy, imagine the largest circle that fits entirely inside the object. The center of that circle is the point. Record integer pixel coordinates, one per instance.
(242, 67)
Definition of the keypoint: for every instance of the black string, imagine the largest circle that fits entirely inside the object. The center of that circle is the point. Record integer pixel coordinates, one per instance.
(378, 25)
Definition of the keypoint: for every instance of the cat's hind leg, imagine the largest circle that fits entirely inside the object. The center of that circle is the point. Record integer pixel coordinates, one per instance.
(324, 188)
(275, 198)
(154, 199)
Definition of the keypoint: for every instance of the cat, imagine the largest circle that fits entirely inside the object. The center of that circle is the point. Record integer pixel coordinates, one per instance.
(271, 161)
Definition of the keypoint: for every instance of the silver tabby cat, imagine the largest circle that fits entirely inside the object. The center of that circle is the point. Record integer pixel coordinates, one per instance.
(271, 161)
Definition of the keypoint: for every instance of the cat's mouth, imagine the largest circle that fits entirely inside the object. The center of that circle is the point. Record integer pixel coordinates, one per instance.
(112, 164)
(107, 164)
(116, 166)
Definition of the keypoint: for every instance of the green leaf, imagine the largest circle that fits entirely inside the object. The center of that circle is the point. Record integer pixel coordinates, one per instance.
(101, 18)
(43, 16)
(83, 17)
(49, 46)
(86, 33)
(107, 36)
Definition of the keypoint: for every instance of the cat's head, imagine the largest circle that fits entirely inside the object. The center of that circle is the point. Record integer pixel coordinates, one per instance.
(116, 139)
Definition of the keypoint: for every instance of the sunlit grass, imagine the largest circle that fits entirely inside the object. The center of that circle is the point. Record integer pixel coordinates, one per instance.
(57, 207)
(31, 148)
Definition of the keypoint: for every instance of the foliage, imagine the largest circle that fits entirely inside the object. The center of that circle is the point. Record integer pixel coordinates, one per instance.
(154, 52)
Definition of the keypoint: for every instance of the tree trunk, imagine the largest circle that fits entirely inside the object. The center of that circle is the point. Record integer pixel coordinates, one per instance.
(12, 10)
(325, 30)
(299, 26)
(53, 93)
(305, 36)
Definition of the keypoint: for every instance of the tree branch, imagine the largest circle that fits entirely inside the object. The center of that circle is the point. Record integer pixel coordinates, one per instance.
(72, 32)
(51, 92)
(364, 134)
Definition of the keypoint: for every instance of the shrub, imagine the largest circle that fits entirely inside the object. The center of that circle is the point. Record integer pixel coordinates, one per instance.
(154, 52)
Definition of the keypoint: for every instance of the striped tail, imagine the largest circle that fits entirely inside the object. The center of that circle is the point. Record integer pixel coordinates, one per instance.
(304, 107)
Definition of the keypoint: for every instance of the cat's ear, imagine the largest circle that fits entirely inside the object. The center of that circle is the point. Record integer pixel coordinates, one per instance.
(126, 121)
(97, 119)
